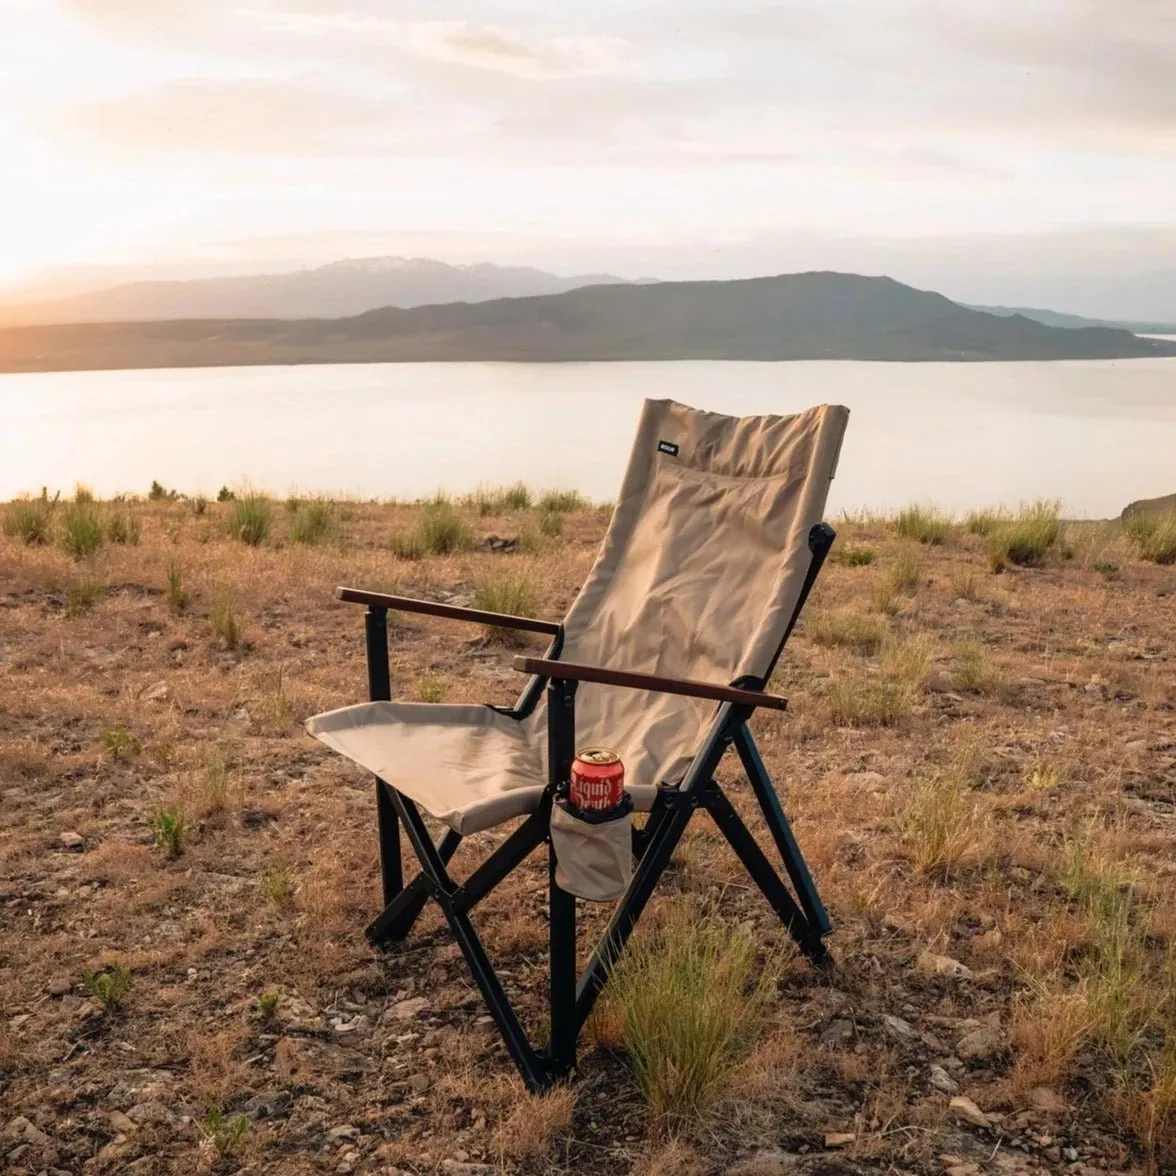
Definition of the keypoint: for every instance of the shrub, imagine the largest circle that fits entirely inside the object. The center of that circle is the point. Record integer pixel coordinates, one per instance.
(313, 522)
(1154, 537)
(83, 495)
(110, 986)
(224, 494)
(119, 741)
(1026, 539)
(692, 1003)
(28, 519)
(224, 619)
(516, 497)
(849, 630)
(199, 505)
(250, 519)
(123, 528)
(561, 501)
(170, 827)
(440, 530)
(82, 596)
(431, 689)
(277, 883)
(83, 530)
(923, 524)
(177, 596)
(157, 491)
(514, 592)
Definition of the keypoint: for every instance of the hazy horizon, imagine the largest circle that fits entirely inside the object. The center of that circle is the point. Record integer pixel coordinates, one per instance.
(991, 152)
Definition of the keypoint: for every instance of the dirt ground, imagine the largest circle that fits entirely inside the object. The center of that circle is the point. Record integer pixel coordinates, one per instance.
(980, 769)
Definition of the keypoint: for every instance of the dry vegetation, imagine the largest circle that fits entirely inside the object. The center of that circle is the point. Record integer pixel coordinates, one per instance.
(979, 765)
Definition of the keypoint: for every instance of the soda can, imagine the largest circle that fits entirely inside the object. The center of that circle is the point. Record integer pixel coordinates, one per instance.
(598, 780)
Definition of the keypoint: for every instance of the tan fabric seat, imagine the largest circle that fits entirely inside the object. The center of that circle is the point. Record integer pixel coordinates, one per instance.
(698, 577)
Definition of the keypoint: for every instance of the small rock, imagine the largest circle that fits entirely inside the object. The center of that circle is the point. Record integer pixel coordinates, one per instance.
(980, 1044)
(59, 986)
(1049, 1102)
(407, 1009)
(897, 1027)
(121, 1124)
(418, 1083)
(150, 1113)
(931, 964)
(966, 1110)
(344, 1131)
(268, 1104)
(940, 682)
(839, 1138)
(943, 1081)
(839, 1032)
(1070, 1153)
(71, 840)
(155, 692)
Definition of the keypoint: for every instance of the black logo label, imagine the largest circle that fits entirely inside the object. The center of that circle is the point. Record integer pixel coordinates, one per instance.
(667, 447)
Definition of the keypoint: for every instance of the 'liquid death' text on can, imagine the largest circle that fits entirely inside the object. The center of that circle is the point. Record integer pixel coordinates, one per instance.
(598, 780)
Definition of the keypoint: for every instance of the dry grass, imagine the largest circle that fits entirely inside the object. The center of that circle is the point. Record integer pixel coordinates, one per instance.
(1154, 537)
(1026, 539)
(923, 524)
(1046, 866)
(512, 592)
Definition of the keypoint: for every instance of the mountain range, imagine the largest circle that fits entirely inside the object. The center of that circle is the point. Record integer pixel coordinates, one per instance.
(1052, 318)
(789, 317)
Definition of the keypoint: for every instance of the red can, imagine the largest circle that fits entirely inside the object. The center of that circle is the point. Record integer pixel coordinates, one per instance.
(598, 780)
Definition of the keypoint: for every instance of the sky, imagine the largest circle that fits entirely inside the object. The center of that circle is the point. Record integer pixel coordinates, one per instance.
(1016, 151)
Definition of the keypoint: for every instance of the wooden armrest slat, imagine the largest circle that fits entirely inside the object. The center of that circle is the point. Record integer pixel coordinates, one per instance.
(453, 612)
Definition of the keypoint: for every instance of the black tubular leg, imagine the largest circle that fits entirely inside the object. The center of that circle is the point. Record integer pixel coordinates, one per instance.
(643, 837)
(531, 1066)
(380, 690)
(781, 831)
(397, 918)
(561, 1049)
(766, 878)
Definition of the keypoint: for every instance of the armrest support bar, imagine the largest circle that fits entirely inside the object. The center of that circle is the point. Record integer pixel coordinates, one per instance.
(570, 671)
(452, 611)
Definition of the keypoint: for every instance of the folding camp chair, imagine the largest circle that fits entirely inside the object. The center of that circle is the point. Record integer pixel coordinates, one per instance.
(714, 546)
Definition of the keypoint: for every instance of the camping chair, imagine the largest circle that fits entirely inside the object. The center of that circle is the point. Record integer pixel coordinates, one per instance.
(714, 546)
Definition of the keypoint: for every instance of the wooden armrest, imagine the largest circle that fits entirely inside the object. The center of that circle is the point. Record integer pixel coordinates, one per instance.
(570, 671)
(452, 611)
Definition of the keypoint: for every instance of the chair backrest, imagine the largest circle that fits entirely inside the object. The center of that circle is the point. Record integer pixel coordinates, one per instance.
(700, 571)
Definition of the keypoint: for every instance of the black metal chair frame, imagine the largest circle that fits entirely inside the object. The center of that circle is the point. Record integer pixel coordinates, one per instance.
(572, 998)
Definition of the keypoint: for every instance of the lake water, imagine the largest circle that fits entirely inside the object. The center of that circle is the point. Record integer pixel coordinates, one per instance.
(1094, 434)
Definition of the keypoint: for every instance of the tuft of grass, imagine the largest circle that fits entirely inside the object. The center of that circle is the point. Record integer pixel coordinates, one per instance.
(29, 520)
(223, 1133)
(177, 597)
(855, 557)
(561, 501)
(82, 534)
(924, 524)
(845, 629)
(1025, 540)
(1106, 569)
(884, 697)
(277, 884)
(199, 505)
(440, 530)
(170, 827)
(1148, 1107)
(313, 523)
(514, 592)
(109, 986)
(157, 492)
(516, 497)
(224, 619)
(900, 579)
(693, 998)
(124, 529)
(1049, 1026)
(82, 595)
(965, 584)
(216, 784)
(942, 821)
(1153, 536)
(532, 1128)
(432, 689)
(550, 524)
(984, 522)
(1042, 778)
(83, 495)
(119, 741)
(250, 519)
(267, 1005)
(975, 670)
(224, 494)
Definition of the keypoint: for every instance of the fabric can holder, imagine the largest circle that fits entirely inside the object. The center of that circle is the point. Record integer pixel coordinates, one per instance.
(593, 851)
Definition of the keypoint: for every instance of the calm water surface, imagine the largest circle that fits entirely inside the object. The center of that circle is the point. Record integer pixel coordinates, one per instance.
(1094, 434)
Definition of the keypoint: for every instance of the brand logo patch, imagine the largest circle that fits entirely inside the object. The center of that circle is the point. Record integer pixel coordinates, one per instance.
(667, 447)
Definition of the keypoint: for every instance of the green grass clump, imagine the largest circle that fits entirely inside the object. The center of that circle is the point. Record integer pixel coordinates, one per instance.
(432, 689)
(975, 670)
(223, 1133)
(313, 522)
(440, 530)
(29, 520)
(177, 595)
(124, 529)
(550, 524)
(158, 491)
(82, 533)
(692, 998)
(884, 697)
(562, 501)
(120, 742)
(855, 557)
(900, 579)
(1025, 540)
(224, 618)
(267, 1005)
(942, 821)
(514, 592)
(923, 524)
(110, 986)
(984, 522)
(1153, 536)
(170, 827)
(250, 519)
(848, 630)
(82, 595)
